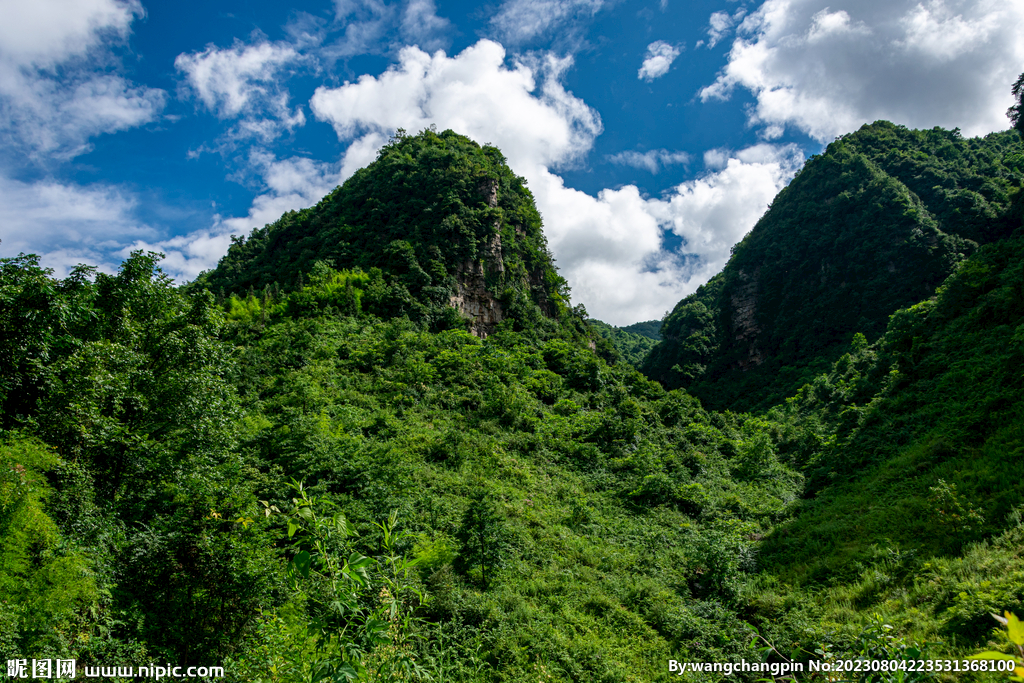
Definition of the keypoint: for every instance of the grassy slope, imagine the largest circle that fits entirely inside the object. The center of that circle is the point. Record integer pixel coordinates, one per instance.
(914, 500)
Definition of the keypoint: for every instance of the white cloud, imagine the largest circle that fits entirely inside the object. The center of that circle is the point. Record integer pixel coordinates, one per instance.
(245, 80)
(935, 33)
(422, 27)
(70, 224)
(343, 9)
(827, 70)
(660, 56)
(44, 33)
(651, 161)
(608, 247)
(366, 26)
(720, 24)
(716, 159)
(56, 86)
(518, 21)
(533, 123)
(827, 24)
(67, 224)
(58, 117)
(715, 211)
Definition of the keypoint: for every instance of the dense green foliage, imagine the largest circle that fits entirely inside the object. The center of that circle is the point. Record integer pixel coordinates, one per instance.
(565, 515)
(123, 377)
(307, 481)
(631, 343)
(650, 329)
(873, 224)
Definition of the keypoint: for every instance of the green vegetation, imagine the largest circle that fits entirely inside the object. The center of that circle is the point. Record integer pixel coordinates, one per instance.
(563, 515)
(872, 225)
(909, 445)
(650, 329)
(321, 474)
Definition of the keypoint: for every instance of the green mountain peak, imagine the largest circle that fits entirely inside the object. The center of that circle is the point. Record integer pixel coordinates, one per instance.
(447, 232)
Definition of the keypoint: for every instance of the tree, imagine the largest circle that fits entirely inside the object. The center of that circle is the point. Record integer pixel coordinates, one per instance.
(481, 535)
(1016, 112)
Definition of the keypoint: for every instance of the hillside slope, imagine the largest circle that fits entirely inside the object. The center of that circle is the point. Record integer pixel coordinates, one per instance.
(873, 224)
(912, 449)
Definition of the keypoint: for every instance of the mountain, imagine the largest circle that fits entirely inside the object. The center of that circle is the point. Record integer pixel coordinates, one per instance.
(321, 478)
(873, 224)
(447, 233)
(911, 506)
(650, 329)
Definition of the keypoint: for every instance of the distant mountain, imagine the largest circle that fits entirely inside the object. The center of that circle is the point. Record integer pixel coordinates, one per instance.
(632, 343)
(873, 224)
(650, 329)
(448, 234)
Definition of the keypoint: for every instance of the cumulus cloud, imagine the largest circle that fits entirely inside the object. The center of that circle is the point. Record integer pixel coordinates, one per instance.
(56, 85)
(826, 70)
(244, 81)
(519, 21)
(609, 247)
(660, 56)
(651, 161)
(524, 110)
(713, 212)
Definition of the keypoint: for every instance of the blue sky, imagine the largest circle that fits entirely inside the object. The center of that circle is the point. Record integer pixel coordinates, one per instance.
(653, 133)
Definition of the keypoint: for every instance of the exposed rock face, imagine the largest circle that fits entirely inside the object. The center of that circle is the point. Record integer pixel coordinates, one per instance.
(493, 256)
(744, 317)
(472, 299)
(489, 190)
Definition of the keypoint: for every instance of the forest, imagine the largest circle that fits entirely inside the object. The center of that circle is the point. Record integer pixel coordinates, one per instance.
(379, 442)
